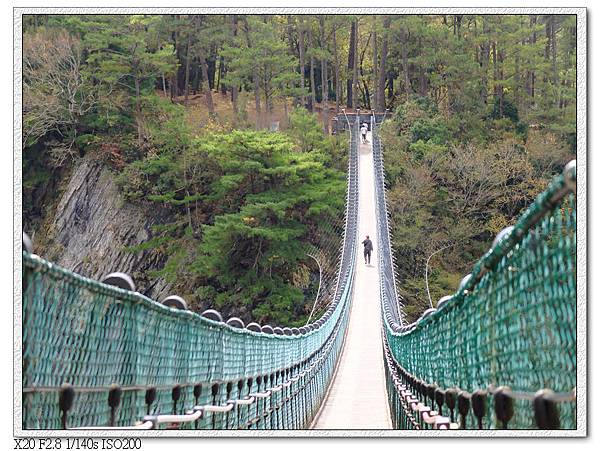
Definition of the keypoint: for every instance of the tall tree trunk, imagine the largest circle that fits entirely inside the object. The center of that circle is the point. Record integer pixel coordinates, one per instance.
(164, 85)
(313, 100)
(456, 21)
(404, 43)
(187, 67)
(173, 81)
(268, 102)
(375, 62)
(208, 92)
(366, 95)
(234, 88)
(289, 34)
(336, 62)
(302, 62)
(173, 86)
(495, 63)
(195, 84)
(254, 77)
(422, 75)
(532, 76)
(517, 84)
(257, 106)
(293, 51)
(221, 86)
(380, 105)
(324, 86)
(555, 80)
(211, 62)
(422, 81)
(138, 106)
(204, 67)
(351, 59)
(180, 73)
(501, 81)
(355, 68)
(485, 62)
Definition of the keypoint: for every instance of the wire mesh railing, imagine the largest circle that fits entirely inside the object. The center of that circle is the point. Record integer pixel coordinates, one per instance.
(391, 301)
(95, 355)
(500, 352)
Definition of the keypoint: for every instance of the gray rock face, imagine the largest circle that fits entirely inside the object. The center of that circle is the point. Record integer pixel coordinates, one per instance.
(94, 225)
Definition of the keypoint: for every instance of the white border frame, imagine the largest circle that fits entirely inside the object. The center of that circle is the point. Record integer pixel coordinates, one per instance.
(582, 311)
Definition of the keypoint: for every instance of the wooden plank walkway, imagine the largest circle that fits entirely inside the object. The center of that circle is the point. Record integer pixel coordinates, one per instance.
(357, 398)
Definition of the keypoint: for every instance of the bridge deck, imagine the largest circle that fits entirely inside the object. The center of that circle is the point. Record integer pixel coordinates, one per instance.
(357, 398)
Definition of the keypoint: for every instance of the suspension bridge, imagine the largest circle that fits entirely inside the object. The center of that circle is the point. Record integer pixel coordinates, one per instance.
(500, 353)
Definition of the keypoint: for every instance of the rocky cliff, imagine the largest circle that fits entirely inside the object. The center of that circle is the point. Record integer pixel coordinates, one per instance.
(93, 225)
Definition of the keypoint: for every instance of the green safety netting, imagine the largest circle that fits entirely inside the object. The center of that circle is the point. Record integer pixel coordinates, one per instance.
(90, 335)
(512, 322)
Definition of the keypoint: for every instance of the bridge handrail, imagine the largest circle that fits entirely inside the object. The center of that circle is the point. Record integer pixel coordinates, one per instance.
(544, 205)
(510, 325)
(391, 301)
(83, 339)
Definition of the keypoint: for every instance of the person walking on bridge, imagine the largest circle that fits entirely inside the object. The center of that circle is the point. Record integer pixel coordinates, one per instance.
(368, 248)
(363, 132)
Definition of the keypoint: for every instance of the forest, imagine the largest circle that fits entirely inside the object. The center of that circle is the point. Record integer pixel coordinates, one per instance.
(223, 125)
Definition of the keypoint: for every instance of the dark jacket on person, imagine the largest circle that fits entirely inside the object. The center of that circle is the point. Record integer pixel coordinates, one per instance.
(368, 245)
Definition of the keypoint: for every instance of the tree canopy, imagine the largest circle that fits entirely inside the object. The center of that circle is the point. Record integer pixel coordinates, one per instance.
(222, 123)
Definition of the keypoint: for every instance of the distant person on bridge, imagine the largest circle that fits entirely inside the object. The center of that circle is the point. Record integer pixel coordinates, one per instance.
(368, 244)
(363, 132)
